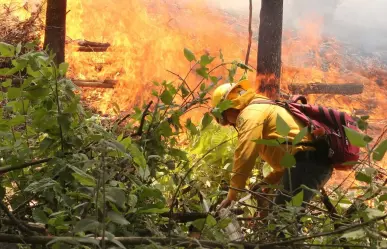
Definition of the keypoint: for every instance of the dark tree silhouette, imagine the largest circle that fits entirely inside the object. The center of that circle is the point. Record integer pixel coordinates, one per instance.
(55, 32)
(269, 48)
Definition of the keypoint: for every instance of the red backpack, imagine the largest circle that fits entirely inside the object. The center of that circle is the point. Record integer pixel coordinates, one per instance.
(325, 123)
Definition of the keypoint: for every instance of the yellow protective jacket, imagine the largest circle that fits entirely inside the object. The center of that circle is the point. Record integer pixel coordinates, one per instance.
(258, 121)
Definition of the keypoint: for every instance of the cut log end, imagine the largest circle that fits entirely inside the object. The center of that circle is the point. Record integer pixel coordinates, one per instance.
(326, 88)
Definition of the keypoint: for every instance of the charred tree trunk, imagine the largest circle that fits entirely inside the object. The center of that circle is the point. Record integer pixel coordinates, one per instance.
(269, 48)
(55, 32)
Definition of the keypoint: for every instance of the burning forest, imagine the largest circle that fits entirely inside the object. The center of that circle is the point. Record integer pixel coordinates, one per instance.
(120, 128)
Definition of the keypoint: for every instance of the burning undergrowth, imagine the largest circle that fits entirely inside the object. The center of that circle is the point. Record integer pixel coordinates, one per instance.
(19, 23)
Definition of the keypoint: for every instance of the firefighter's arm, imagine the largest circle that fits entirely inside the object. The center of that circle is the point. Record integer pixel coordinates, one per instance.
(245, 155)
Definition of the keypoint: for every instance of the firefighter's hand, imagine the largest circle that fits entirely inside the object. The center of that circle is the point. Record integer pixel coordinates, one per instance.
(225, 203)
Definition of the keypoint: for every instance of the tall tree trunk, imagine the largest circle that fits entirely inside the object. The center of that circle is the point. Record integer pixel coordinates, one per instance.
(55, 32)
(269, 48)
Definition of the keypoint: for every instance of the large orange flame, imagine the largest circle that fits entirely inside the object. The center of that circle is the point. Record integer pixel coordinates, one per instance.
(148, 38)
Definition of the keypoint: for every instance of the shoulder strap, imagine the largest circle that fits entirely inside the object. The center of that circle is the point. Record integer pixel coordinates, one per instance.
(266, 101)
(296, 98)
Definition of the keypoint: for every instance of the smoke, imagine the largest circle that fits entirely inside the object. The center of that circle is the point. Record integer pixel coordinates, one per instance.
(359, 23)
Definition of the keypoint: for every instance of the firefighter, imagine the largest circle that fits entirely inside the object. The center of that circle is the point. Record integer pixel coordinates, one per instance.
(257, 121)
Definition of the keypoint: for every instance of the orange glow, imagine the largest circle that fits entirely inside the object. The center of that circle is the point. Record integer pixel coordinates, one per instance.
(145, 42)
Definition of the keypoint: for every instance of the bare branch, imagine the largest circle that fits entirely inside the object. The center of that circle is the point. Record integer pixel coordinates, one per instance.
(250, 33)
(32, 226)
(6, 169)
(142, 122)
(21, 226)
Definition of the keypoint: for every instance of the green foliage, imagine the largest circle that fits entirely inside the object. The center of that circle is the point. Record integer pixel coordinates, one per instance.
(356, 138)
(207, 119)
(221, 107)
(380, 151)
(166, 97)
(43, 118)
(298, 199)
(288, 160)
(360, 176)
(7, 50)
(205, 60)
(282, 127)
(362, 123)
(189, 55)
(298, 138)
(215, 145)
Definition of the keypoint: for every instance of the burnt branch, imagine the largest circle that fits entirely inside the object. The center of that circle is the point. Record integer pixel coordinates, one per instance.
(23, 228)
(186, 242)
(142, 122)
(332, 212)
(31, 226)
(250, 33)
(6, 169)
(192, 216)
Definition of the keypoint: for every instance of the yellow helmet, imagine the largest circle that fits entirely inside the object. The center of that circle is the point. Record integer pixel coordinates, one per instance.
(229, 91)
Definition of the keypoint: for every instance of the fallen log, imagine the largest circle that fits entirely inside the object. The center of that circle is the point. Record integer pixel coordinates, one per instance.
(95, 83)
(91, 49)
(89, 46)
(326, 88)
(86, 43)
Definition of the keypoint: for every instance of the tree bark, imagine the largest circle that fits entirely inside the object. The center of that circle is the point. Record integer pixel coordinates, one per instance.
(55, 32)
(326, 88)
(269, 48)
